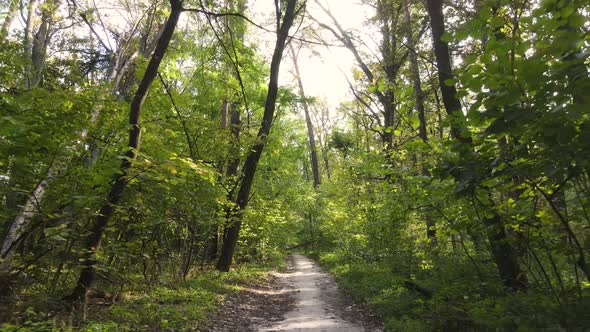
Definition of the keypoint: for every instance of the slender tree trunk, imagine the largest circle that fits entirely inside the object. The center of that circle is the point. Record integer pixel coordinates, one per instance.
(12, 9)
(224, 113)
(386, 98)
(17, 226)
(326, 162)
(312, 147)
(232, 110)
(322, 138)
(28, 43)
(419, 97)
(232, 232)
(35, 50)
(445, 73)
(41, 41)
(235, 123)
(88, 273)
(391, 68)
(213, 245)
(503, 253)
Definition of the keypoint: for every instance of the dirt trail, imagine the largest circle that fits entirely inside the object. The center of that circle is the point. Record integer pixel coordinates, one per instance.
(319, 305)
(304, 298)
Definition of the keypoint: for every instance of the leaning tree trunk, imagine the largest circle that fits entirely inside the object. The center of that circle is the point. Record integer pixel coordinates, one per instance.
(13, 199)
(386, 98)
(88, 273)
(231, 234)
(312, 147)
(503, 253)
(35, 50)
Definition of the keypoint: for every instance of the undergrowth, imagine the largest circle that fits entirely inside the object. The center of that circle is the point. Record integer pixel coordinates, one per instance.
(171, 305)
(461, 301)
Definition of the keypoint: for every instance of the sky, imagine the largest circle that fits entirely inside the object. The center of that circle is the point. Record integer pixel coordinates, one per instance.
(322, 69)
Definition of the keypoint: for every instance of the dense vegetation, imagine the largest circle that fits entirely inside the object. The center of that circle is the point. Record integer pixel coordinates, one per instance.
(140, 154)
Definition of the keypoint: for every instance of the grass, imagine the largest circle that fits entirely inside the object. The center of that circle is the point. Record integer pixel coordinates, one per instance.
(170, 306)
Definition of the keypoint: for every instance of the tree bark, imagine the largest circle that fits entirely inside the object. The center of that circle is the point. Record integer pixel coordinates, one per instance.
(231, 110)
(8, 19)
(231, 234)
(18, 225)
(88, 273)
(310, 132)
(419, 98)
(41, 41)
(391, 68)
(28, 43)
(445, 73)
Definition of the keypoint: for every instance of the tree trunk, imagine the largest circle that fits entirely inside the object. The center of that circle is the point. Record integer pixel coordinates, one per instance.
(419, 97)
(232, 232)
(8, 19)
(231, 109)
(87, 275)
(312, 147)
(17, 226)
(503, 253)
(445, 72)
(35, 50)
(232, 169)
(28, 43)
(41, 41)
(213, 241)
(391, 68)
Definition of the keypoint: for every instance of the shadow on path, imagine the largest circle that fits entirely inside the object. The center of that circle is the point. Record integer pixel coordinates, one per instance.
(319, 304)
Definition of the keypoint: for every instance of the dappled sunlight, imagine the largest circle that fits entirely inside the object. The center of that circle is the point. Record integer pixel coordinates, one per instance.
(159, 160)
(312, 312)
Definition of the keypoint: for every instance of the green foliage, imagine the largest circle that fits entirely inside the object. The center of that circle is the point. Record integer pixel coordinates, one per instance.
(523, 159)
(173, 305)
(525, 164)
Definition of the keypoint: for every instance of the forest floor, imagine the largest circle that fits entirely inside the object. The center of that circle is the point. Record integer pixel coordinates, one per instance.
(303, 298)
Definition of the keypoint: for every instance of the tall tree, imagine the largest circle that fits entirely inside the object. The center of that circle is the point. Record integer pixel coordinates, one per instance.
(285, 20)
(419, 101)
(503, 253)
(310, 132)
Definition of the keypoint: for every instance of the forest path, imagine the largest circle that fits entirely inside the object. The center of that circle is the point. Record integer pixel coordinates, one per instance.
(319, 305)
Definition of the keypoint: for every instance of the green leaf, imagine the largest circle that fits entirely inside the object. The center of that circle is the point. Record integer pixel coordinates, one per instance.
(461, 94)
(450, 82)
(446, 37)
